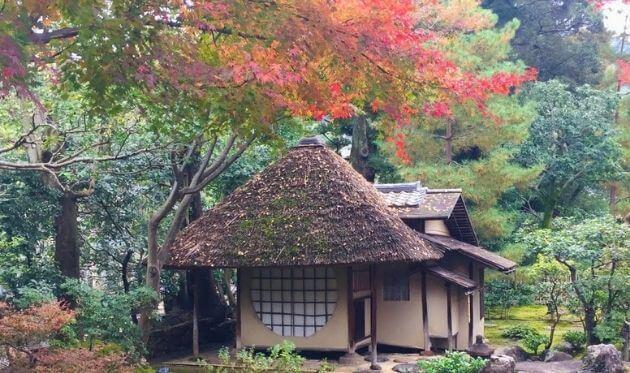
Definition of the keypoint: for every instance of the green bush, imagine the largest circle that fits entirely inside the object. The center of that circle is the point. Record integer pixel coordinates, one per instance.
(35, 293)
(106, 317)
(282, 358)
(576, 338)
(453, 362)
(253, 361)
(533, 340)
(518, 332)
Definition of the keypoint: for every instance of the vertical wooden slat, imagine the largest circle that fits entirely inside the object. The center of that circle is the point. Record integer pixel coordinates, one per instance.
(471, 306)
(237, 311)
(373, 316)
(195, 331)
(351, 321)
(425, 314)
(482, 294)
(449, 313)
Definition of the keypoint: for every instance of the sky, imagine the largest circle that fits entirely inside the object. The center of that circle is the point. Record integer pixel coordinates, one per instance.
(614, 16)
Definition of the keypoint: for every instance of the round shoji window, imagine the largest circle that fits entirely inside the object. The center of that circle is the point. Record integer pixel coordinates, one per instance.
(294, 302)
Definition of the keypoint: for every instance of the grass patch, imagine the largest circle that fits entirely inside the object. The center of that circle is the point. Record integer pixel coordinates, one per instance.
(530, 315)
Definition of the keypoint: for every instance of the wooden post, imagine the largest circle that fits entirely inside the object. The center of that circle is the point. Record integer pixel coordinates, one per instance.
(237, 311)
(373, 326)
(351, 321)
(195, 331)
(449, 316)
(625, 334)
(425, 314)
(482, 294)
(471, 307)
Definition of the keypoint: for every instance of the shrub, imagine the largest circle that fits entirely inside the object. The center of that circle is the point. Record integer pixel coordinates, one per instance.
(576, 338)
(503, 294)
(106, 317)
(282, 358)
(252, 361)
(533, 340)
(518, 332)
(453, 362)
(24, 332)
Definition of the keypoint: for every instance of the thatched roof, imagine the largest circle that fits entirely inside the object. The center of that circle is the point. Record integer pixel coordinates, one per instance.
(309, 208)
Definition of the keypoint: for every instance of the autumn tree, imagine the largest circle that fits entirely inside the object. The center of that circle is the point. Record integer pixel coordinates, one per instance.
(215, 76)
(464, 146)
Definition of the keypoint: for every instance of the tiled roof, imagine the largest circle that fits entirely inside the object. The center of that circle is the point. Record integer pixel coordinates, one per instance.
(413, 201)
(475, 252)
(452, 277)
(402, 195)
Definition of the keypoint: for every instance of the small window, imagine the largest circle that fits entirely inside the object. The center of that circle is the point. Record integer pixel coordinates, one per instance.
(360, 279)
(396, 285)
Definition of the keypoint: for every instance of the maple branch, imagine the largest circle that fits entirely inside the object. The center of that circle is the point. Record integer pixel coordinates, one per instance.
(47, 36)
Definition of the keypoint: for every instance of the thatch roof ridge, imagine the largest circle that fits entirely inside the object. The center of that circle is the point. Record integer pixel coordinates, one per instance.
(309, 208)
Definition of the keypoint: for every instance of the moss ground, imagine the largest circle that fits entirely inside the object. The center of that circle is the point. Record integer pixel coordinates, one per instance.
(530, 315)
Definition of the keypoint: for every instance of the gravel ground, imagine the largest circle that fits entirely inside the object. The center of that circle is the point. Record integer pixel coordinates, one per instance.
(570, 366)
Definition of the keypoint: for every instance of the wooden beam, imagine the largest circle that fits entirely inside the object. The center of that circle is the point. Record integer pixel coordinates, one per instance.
(195, 326)
(373, 316)
(482, 294)
(471, 307)
(425, 314)
(351, 321)
(449, 315)
(237, 310)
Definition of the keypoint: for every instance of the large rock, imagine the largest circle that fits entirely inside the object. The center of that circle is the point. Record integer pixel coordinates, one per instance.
(566, 347)
(602, 359)
(499, 364)
(516, 352)
(552, 356)
(480, 349)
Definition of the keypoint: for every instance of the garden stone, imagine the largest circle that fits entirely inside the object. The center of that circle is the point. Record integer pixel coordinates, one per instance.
(350, 359)
(516, 352)
(557, 356)
(602, 358)
(406, 368)
(566, 347)
(379, 358)
(480, 349)
(500, 364)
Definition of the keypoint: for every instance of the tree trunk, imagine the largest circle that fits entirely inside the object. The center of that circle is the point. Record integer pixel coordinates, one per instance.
(67, 237)
(124, 271)
(589, 326)
(555, 323)
(362, 148)
(448, 142)
(547, 216)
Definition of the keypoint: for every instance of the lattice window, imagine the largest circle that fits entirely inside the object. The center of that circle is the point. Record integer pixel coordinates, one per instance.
(396, 285)
(294, 301)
